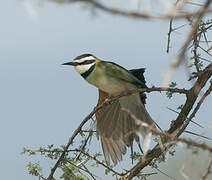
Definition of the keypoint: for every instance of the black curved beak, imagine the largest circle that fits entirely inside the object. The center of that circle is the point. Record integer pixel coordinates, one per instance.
(70, 63)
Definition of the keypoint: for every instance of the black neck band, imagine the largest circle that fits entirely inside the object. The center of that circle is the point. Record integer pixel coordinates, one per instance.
(86, 74)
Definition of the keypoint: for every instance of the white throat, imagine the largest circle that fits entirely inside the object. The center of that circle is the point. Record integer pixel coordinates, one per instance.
(83, 68)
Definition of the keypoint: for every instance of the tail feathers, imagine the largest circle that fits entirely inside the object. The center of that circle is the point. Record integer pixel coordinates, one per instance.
(113, 148)
(106, 150)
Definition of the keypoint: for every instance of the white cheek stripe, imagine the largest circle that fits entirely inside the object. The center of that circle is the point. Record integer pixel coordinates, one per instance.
(84, 59)
(83, 68)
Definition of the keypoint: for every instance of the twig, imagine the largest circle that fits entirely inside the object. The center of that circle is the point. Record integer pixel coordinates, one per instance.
(84, 144)
(205, 60)
(98, 162)
(169, 35)
(50, 177)
(169, 136)
(92, 175)
(174, 90)
(192, 32)
(189, 132)
(133, 14)
(191, 98)
(165, 174)
(195, 110)
(170, 29)
(196, 60)
(205, 51)
(128, 92)
(85, 170)
(186, 117)
(209, 170)
(181, 56)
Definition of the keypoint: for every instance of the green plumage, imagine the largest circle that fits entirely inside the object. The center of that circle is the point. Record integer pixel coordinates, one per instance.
(119, 123)
(115, 123)
(112, 78)
(121, 73)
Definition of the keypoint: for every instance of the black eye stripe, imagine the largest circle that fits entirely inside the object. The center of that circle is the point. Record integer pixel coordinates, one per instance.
(86, 62)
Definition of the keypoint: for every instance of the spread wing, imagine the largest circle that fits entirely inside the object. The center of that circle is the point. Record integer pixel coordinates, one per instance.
(115, 127)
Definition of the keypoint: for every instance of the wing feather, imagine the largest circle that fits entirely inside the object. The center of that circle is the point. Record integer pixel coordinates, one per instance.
(116, 127)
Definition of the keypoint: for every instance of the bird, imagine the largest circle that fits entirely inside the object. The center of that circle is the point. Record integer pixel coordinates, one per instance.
(117, 124)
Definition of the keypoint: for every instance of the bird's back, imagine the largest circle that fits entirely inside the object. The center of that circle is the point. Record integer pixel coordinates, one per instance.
(112, 78)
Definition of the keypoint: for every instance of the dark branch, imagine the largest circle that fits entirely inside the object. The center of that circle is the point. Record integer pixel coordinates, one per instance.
(191, 99)
(209, 170)
(107, 102)
(138, 15)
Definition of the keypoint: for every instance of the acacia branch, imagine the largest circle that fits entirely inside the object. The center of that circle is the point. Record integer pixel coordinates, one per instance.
(191, 99)
(105, 103)
(156, 152)
(76, 132)
(174, 138)
(98, 162)
(209, 170)
(169, 35)
(138, 15)
(195, 110)
(181, 56)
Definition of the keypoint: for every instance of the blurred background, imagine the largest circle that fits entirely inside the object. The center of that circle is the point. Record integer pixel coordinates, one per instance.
(42, 102)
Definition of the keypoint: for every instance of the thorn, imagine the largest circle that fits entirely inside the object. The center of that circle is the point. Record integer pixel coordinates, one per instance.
(189, 132)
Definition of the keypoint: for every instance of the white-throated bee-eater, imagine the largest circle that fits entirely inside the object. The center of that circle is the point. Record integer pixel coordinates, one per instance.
(116, 127)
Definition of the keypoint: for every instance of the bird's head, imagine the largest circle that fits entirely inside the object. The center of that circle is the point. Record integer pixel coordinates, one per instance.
(83, 63)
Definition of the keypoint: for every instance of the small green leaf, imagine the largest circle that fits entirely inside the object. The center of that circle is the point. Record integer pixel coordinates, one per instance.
(34, 169)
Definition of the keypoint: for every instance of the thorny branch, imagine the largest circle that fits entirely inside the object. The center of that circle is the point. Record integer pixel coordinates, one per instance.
(170, 30)
(85, 169)
(76, 132)
(209, 170)
(169, 136)
(191, 94)
(174, 139)
(99, 162)
(195, 110)
(192, 32)
(133, 14)
(191, 98)
(196, 60)
(169, 35)
(84, 144)
(191, 120)
(107, 102)
(182, 121)
(181, 56)
(42, 150)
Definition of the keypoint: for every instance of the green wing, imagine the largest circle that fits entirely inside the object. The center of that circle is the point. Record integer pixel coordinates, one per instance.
(115, 70)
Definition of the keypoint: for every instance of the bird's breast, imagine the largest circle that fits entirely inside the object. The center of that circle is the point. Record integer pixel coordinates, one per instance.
(109, 84)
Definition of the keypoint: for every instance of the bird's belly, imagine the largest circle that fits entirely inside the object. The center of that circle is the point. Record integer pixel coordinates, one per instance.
(113, 88)
(110, 85)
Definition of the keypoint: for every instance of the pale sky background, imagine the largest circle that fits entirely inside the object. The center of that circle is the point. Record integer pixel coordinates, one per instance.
(42, 102)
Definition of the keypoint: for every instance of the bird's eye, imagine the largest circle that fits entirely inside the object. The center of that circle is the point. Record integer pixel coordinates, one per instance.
(87, 62)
